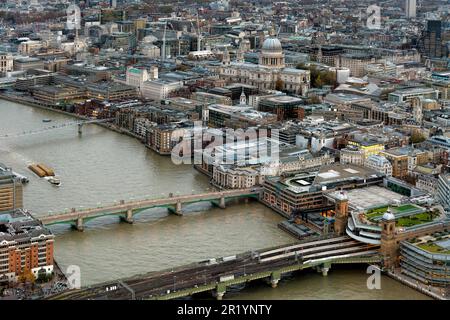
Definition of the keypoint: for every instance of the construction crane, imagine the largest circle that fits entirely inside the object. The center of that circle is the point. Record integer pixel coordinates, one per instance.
(163, 49)
(197, 31)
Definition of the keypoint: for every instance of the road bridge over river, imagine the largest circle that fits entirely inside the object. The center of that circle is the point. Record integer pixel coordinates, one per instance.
(127, 209)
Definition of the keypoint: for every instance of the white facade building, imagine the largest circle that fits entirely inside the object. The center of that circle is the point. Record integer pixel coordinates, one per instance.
(379, 164)
(351, 155)
(6, 62)
(136, 77)
(410, 8)
(159, 89)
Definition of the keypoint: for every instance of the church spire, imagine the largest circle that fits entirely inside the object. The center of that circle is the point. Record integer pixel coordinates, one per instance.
(243, 97)
(226, 57)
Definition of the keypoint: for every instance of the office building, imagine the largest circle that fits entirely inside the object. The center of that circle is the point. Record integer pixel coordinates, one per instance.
(410, 8)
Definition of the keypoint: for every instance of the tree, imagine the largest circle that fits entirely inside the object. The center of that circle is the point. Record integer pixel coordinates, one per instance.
(279, 85)
(182, 67)
(319, 78)
(42, 276)
(318, 82)
(313, 100)
(302, 66)
(417, 137)
(27, 276)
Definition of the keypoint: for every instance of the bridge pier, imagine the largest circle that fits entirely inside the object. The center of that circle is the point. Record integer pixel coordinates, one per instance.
(222, 202)
(129, 217)
(79, 224)
(220, 291)
(325, 268)
(274, 279)
(178, 210)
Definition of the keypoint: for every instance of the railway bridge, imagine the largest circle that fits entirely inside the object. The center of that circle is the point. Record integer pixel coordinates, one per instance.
(215, 275)
(127, 209)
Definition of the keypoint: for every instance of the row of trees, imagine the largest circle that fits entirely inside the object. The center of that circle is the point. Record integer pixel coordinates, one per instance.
(14, 18)
(28, 277)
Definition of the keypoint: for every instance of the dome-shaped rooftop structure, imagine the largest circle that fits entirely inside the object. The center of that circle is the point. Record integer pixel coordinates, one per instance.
(272, 54)
(388, 215)
(149, 39)
(272, 44)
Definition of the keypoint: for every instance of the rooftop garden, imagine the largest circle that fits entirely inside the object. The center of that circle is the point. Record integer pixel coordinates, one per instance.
(374, 214)
(416, 219)
(434, 248)
(406, 215)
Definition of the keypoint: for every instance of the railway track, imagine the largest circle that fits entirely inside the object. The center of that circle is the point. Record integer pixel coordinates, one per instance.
(209, 273)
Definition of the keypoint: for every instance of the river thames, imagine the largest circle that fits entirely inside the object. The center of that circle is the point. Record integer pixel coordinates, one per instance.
(102, 166)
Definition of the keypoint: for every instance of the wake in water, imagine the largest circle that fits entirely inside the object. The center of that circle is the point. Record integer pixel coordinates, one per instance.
(17, 159)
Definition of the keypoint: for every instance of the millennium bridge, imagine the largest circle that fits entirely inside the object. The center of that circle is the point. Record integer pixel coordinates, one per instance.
(78, 123)
(127, 209)
(215, 275)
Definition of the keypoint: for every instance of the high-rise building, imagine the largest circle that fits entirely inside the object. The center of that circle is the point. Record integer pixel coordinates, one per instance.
(410, 8)
(435, 39)
(10, 191)
(443, 192)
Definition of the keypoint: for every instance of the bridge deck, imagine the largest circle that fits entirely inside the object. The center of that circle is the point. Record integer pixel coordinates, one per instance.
(123, 206)
(245, 267)
(53, 127)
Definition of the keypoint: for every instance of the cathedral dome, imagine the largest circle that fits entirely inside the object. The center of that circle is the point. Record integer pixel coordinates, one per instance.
(272, 44)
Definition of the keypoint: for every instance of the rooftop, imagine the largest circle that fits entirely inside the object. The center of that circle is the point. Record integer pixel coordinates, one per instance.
(284, 99)
(341, 172)
(371, 197)
(19, 225)
(435, 243)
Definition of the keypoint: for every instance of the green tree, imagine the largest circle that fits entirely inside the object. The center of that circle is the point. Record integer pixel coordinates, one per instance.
(318, 82)
(279, 85)
(313, 100)
(417, 137)
(319, 78)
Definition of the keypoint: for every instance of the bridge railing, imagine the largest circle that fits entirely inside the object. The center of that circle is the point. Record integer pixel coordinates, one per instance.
(122, 203)
(54, 127)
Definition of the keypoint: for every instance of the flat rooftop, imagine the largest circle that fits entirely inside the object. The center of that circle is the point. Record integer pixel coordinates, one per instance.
(18, 225)
(341, 172)
(371, 197)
